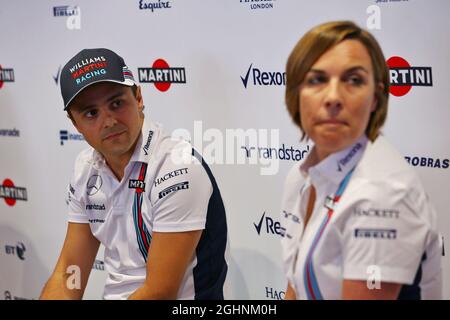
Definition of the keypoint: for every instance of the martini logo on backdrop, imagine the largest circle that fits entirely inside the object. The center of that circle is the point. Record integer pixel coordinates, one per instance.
(72, 13)
(6, 75)
(161, 75)
(10, 193)
(65, 135)
(256, 77)
(403, 76)
(258, 4)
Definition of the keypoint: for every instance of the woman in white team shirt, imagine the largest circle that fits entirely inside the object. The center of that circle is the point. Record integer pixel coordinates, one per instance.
(358, 221)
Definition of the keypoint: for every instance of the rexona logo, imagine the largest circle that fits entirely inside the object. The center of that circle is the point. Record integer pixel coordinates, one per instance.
(6, 75)
(257, 77)
(65, 135)
(161, 75)
(11, 193)
(269, 226)
(403, 77)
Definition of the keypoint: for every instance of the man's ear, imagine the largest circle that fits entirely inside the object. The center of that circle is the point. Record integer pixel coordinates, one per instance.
(70, 116)
(139, 98)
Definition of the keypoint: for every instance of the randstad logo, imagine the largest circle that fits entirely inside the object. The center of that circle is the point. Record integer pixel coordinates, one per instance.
(269, 226)
(263, 78)
(65, 135)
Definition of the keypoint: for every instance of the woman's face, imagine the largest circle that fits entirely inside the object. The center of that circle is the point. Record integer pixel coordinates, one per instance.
(337, 97)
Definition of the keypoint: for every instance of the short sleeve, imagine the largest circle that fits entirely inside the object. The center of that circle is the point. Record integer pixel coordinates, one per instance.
(386, 232)
(180, 196)
(76, 212)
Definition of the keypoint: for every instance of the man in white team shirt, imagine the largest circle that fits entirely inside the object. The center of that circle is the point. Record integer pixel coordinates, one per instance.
(149, 199)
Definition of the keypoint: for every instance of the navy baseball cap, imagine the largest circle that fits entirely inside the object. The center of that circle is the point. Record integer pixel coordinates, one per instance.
(91, 66)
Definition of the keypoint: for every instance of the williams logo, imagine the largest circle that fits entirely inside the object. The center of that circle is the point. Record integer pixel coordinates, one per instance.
(65, 135)
(136, 184)
(263, 78)
(18, 250)
(403, 77)
(161, 75)
(12, 193)
(175, 187)
(6, 75)
(270, 226)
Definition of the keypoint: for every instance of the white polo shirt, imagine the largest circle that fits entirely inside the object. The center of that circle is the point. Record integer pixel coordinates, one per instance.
(382, 229)
(166, 188)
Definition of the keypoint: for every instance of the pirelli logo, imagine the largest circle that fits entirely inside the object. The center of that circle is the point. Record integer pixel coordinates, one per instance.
(388, 234)
(179, 186)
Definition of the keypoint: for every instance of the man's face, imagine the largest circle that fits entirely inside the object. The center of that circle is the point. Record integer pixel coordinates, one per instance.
(109, 117)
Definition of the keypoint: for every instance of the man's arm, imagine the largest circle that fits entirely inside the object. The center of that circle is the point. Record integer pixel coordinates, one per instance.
(79, 250)
(169, 256)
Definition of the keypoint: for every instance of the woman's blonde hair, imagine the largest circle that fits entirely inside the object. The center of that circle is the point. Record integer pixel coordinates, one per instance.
(315, 43)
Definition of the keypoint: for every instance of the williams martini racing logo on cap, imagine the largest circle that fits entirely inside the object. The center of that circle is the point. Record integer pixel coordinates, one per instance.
(11, 193)
(87, 69)
(403, 77)
(161, 75)
(6, 75)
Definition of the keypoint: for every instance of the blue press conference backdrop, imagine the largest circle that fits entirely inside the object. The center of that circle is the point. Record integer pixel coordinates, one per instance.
(230, 56)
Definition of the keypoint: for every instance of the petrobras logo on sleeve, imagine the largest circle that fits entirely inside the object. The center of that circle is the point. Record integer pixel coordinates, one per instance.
(256, 76)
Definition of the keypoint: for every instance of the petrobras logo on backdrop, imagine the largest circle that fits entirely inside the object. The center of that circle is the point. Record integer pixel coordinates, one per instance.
(269, 226)
(272, 293)
(258, 4)
(6, 75)
(428, 162)
(161, 75)
(258, 77)
(17, 250)
(154, 5)
(11, 193)
(10, 133)
(65, 135)
(72, 13)
(403, 77)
